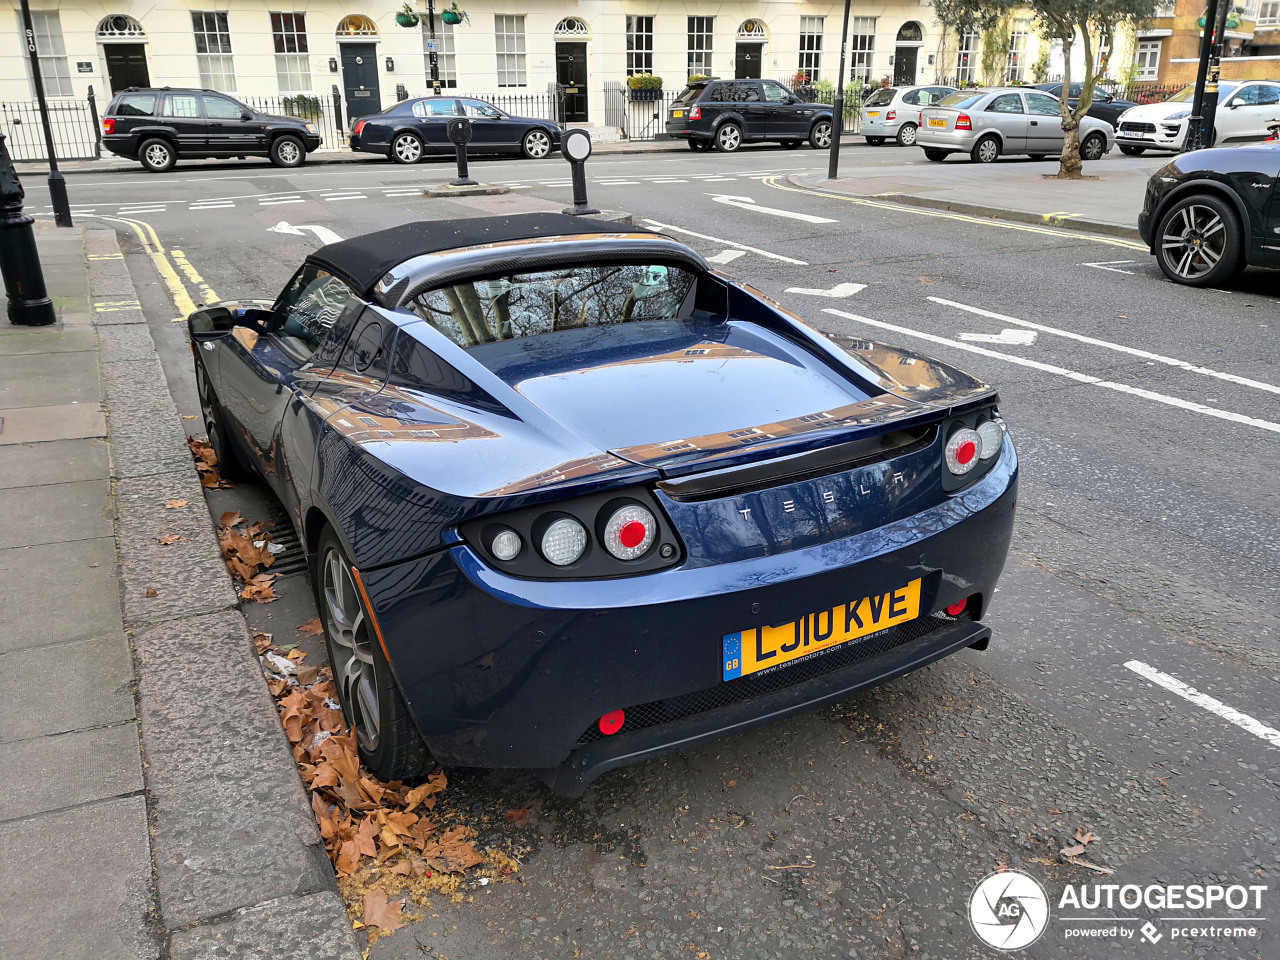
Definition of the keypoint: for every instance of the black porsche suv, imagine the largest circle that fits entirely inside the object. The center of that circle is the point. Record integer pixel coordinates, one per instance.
(724, 114)
(159, 126)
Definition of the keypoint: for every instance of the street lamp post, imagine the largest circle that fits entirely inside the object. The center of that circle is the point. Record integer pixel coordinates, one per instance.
(29, 303)
(57, 185)
(837, 108)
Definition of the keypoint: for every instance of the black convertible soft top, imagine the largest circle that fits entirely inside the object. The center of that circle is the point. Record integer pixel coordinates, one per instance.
(362, 261)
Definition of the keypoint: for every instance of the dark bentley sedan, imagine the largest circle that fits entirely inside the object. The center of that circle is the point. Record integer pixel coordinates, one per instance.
(414, 129)
(572, 499)
(1209, 213)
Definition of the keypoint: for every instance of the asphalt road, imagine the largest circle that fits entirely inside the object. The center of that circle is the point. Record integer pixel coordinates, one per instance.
(1147, 418)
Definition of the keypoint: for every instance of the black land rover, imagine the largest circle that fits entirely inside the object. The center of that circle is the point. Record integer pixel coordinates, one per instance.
(724, 114)
(159, 126)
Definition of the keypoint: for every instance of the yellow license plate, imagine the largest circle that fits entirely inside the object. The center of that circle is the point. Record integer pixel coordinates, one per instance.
(677, 113)
(763, 648)
(873, 113)
(933, 122)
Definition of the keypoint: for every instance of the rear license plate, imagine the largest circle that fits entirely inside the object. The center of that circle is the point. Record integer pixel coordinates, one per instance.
(677, 113)
(763, 648)
(873, 113)
(934, 122)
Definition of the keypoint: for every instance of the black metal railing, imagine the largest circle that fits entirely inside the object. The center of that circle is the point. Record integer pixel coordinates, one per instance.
(324, 111)
(74, 123)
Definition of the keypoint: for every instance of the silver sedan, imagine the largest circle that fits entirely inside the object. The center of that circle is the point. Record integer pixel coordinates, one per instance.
(1001, 121)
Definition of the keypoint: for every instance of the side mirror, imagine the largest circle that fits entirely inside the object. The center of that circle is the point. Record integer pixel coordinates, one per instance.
(212, 323)
(1231, 105)
(246, 115)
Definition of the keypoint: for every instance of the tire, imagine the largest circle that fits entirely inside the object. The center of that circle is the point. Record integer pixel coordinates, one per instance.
(1132, 151)
(1037, 156)
(406, 148)
(230, 466)
(1199, 241)
(728, 137)
(820, 135)
(536, 145)
(791, 144)
(288, 151)
(1093, 147)
(388, 742)
(934, 154)
(157, 155)
(699, 146)
(875, 141)
(907, 135)
(986, 150)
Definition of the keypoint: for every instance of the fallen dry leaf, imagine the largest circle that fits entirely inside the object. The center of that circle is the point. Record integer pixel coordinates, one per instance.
(519, 817)
(151, 592)
(381, 912)
(231, 518)
(174, 504)
(312, 628)
(168, 538)
(1082, 838)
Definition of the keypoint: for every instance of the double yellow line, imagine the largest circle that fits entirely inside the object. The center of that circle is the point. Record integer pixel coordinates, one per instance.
(169, 263)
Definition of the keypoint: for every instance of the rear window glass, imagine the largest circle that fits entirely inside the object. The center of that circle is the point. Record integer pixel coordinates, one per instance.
(881, 98)
(533, 304)
(690, 94)
(961, 100)
(135, 105)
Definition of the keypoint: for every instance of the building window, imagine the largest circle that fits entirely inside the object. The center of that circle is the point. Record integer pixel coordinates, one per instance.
(862, 48)
(213, 51)
(1269, 13)
(700, 34)
(50, 52)
(811, 48)
(293, 66)
(1016, 63)
(509, 32)
(1147, 59)
(446, 61)
(968, 56)
(639, 45)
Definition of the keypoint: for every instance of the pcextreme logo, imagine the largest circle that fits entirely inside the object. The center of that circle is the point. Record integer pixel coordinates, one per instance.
(1009, 910)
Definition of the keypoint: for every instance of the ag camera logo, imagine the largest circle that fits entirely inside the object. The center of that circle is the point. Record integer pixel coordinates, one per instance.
(1009, 910)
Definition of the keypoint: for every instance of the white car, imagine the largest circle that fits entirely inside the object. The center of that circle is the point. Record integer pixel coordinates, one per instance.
(893, 113)
(1244, 110)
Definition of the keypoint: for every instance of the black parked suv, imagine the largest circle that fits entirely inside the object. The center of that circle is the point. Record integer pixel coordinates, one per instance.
(724, 114)
(160, 126)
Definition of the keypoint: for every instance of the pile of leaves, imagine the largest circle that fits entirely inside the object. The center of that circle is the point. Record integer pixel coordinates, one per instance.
(247, 549)
(383, 838)
(207, 464)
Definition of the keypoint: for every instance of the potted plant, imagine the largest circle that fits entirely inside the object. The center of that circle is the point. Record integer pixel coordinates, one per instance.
(800, 79)
(453, 14)
(407, 16)
(698, 77)
(645, 86)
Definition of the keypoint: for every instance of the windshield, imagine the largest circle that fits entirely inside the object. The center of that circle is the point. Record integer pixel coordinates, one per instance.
(961, 99)
(882, 97)
(533, 304)
(1187, 94)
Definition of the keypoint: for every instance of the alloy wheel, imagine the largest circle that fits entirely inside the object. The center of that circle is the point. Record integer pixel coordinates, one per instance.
(1194, 241)
(1092, 148)
(287, 151)
(822, 136)
(408, 148)
(907, 135)
(157, 155)
(728, 138)
(537, 145)
(351, 649)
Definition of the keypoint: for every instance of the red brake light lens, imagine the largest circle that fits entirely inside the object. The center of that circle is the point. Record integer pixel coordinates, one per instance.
(963, 122)
(630, 532)
(957, 608)
(359, 126)
(695, 113)
(892, 115)
(962, 451)
(109, 125)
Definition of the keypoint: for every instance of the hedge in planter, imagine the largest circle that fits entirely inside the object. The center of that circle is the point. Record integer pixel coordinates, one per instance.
(645, 86)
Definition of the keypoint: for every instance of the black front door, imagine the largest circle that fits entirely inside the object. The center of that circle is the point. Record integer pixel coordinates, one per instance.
(127, 65)
(360, 79)
(746, 66)
(571, 73)
(904, 65)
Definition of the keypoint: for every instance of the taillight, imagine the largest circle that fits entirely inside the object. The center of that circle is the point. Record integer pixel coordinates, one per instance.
(991, 438)
(506, 544)
(962, 451)
(963, 122)
(891, 115)
(563, 541)
(108, 125)
(695, 113)
(359, 126)
(630, 531)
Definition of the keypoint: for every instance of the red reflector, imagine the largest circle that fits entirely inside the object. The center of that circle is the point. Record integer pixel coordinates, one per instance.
(966, 451)
(963, 122)
(359, 126)
(632, 534)
(695, 113)
(108, 125)
(955, 610)
(612, 722)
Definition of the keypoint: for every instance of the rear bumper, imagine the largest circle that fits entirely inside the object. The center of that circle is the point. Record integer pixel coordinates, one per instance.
(502, 672)
(959, 141)
(360, 145)
(122, 146)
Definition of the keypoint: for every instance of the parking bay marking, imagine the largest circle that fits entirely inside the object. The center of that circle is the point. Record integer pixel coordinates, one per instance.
(1021, 338)
(1119, 348)
(746, 203)
(1212, 704)
(1112, 266)
(839, 292)
(726, 256)
(728, 243)
(1075, 375)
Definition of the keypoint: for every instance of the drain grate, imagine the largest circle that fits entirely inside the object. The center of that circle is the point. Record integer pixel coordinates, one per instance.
(292, 560)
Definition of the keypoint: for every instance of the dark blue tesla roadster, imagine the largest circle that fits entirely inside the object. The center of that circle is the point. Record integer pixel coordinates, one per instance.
(572, 498)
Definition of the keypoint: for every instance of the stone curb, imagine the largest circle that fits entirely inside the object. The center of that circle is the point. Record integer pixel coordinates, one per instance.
(239, 865)
(980, 210)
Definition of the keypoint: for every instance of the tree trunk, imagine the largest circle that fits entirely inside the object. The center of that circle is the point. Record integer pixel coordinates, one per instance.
(1071, 166)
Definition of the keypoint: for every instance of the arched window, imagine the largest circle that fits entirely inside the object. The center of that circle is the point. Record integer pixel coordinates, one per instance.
(573, 28)
(751, 30)
(910, 32)
(356, 25)
(118, 26)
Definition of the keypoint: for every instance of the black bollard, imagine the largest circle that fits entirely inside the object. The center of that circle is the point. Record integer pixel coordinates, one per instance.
(459, 131)
(576, 147)
(29, 303)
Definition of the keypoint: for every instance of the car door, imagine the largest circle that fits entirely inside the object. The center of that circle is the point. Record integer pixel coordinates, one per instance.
(491, 130)
(432, 117)
(1044, 124)
(228, 130)
(1008, 116)
(182, 115)
(261, 374)
(788, 118)
(1245, 113)
(749, 99)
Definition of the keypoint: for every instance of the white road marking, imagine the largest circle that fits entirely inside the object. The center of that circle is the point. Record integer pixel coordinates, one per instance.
(1212, 704)
(1069, 374)
(746, 203)
(617, 183)
(276, 203)
(1022, 338)
(667, 180)
(730, 243)
(727, 256)
(345, 196)
(151, 209)
(717, 179)
(408, 193)
(212, 206)
(1110, 265)
(323, 234)
(519, 186)
(1120, 348)
(838, 292)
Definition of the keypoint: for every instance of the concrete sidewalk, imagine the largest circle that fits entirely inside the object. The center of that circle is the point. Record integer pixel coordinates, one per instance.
(1015, 189)
(150, 806)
